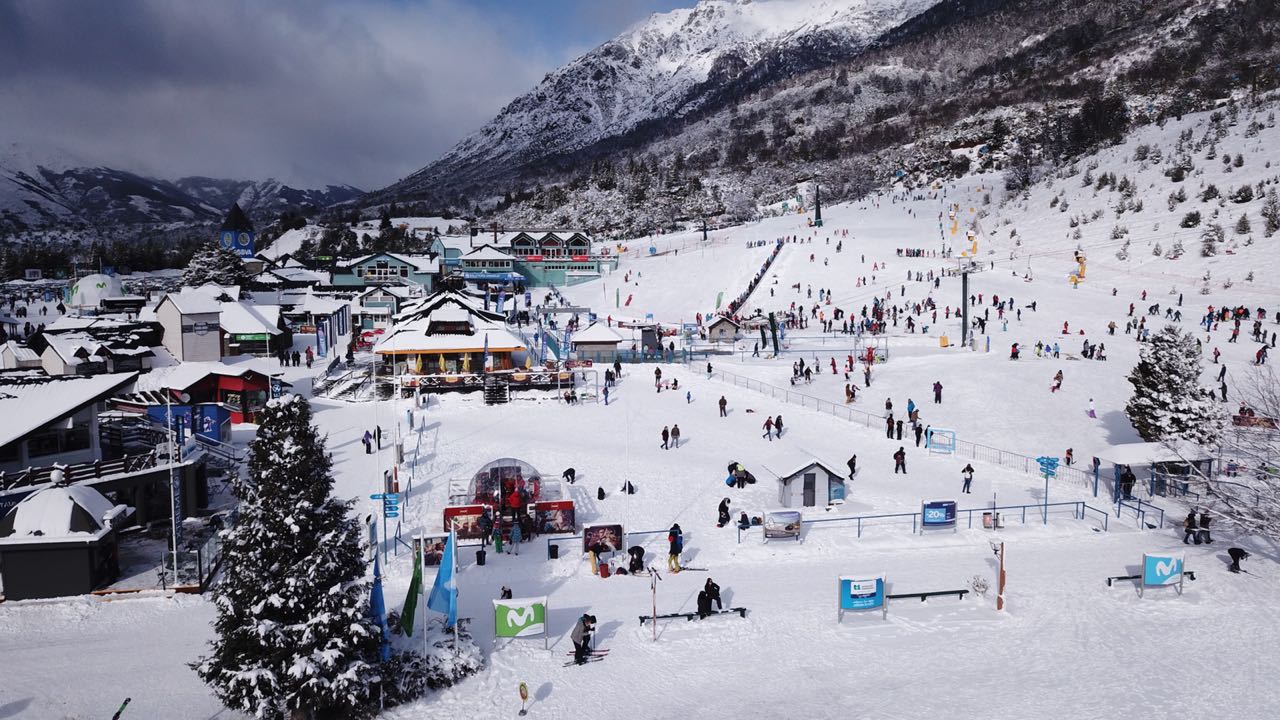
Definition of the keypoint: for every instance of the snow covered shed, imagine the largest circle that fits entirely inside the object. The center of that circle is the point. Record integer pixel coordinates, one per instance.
(811, 485)
(722, 329)
(599, 342)
(60, 541)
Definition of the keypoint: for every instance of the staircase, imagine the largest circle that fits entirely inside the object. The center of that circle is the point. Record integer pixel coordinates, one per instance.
(496, 391)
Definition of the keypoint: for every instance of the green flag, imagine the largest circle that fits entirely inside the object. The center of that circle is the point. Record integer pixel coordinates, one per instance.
(411, 600)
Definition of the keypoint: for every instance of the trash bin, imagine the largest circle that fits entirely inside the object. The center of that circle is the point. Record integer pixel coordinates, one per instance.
(553, 551)
(480, 555)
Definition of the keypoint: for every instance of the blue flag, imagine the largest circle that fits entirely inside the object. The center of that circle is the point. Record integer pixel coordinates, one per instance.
(378, 608)
(485, 360)
(444, 594)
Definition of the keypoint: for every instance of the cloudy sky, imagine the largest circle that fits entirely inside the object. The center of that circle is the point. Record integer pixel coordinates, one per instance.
(310, 92)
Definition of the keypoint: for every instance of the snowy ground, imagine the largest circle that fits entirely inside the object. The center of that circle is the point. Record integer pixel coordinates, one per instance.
(1066, 646)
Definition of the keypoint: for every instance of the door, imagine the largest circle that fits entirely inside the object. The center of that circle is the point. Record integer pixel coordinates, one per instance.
(810, 489)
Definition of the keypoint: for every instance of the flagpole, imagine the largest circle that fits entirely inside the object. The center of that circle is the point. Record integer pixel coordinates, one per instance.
(453, 533)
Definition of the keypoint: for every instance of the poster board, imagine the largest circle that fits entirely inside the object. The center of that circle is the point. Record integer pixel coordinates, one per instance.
(465, 520)
(432, 548)
(610, 536)
(520, 617)
(937, 514)
(782, 524)
(555, 516)
(1162, 571)
(861, 593)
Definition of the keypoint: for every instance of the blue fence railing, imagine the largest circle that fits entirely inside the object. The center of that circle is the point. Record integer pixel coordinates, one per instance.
(1141, 510)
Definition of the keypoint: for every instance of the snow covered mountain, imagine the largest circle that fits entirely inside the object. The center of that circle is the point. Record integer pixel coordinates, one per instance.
(666, 67)
(39, 190)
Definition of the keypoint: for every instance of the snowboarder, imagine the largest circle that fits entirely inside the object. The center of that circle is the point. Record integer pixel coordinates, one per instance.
(900, 461)
(675, 435)
(724, 513)
(937, 392)
(581, 637)
(724, 405)
(967, 472)
(704, 604)
(666, 436)
(768, 427)
(675, 545)
(637, 559)
(713, 593)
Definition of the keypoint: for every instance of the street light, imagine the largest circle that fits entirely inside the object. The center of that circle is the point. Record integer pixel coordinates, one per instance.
(175, 456)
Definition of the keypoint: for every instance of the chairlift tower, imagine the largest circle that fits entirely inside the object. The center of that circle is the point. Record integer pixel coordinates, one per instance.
(965, 266)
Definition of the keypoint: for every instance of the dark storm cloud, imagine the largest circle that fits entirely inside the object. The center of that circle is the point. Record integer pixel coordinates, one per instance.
(307, 92)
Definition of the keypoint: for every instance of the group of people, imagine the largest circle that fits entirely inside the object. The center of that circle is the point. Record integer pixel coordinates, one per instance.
(292, 359)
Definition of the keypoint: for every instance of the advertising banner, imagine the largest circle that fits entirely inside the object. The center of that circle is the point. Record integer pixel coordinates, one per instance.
(555, 516)
(433, 549)
(322, 337)
(465, 520)
(610, 537)
(782, 524)
(1162, 569)
(862, 593)
(520, 617)
(938, 514)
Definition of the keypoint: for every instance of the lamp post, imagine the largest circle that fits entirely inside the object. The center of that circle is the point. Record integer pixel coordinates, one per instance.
(175, 456)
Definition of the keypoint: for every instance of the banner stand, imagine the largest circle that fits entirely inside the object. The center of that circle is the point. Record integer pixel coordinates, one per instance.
(1162, 571)
(862, 593)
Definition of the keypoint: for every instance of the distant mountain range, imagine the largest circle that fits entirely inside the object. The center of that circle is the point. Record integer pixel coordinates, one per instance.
(36, 194)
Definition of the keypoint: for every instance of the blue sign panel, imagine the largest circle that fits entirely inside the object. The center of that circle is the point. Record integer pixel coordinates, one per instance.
(861, 594)
(1161, 569)
(938, 513)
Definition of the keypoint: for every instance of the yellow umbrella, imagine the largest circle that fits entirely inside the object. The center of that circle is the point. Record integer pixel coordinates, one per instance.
(528, 361)
(466, 362)
(417, 364)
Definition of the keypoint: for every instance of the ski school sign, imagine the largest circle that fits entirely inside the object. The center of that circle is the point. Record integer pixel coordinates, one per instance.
(1162, 570)
(862, 594)
(520, 617)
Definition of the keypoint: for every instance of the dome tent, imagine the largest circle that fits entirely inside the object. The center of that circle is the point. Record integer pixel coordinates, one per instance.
(89, 291)
(74, 512)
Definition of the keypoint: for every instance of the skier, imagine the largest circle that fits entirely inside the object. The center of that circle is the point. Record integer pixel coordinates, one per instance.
(675, 435)
(967, 472)
(937, 392)
(724, 513)
(666, 436)
(1189, 529)
(900, 461)
(724, 405)
(768, 427)
(581, 637)
(675, 544)
(853, 466)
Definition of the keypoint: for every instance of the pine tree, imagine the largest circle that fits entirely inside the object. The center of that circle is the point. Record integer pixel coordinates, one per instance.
(294, 636)
(1271, 212)
(215, 265)
(1168, 402)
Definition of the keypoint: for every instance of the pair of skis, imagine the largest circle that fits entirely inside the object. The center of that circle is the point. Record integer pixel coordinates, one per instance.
(592, 656)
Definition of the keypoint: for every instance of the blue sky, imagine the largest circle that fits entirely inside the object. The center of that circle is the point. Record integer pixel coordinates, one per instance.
(310, 92)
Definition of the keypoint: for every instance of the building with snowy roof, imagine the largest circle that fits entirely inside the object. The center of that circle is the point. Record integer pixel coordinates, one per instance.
(52, 419)
(60, 541)
(190, 321)
(598, 343)
(387, 269)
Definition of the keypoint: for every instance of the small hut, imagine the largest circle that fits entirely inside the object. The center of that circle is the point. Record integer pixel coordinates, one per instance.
(60, 541)
(813, 484)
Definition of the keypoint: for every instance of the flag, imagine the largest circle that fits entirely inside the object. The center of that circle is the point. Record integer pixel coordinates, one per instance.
(411, 600)
(502, 299)
(485, 364)
(444, 594)
(378, 608)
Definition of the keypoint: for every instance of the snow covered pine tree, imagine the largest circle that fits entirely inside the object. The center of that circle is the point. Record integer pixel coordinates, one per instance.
(215, 265)
(1168, 402)
(294, 635)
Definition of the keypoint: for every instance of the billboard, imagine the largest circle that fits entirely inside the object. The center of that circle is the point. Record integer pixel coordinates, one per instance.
(782, 524)
(554, 516)
(938, 514)
(1159, 570)
(433, 549)
(610, 537)
(465, 519)
(862, 593)
(520, 617)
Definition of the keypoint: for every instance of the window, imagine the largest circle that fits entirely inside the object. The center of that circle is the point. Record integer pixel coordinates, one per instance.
(404, 271)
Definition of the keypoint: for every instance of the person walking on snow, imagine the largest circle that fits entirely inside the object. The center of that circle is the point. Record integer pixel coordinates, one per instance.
(777, 426)
(666, 436)
(516, 537)
(967, 472)
(853, 466)
(1189, 529)
(724, 513)
(675, 435)
(708, 371)
(1057, 382)
(900, 461)
(1092, 412)
(937, 392)
(724, 404)
(768, 427)
(368, 442)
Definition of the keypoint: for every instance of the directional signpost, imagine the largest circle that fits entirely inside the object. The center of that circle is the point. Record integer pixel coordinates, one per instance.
(1048, 466)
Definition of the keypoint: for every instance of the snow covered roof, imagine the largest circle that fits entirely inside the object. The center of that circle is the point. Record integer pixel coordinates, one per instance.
(486, 252)
(300, 302)
(427, 305)
(30, 400)
(244, 319)
(1146, 453)
(598, 332)
(723, 318)
(415, 339)
(192, 302)
(184, 375)
(804, 465)
(73, 512)
(22, 353)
